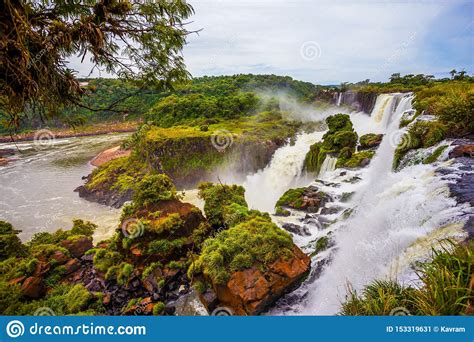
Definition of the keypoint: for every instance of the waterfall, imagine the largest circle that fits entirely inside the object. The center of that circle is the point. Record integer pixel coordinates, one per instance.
(392, 211)
(265, 187)
(339, 99)
(329, 164)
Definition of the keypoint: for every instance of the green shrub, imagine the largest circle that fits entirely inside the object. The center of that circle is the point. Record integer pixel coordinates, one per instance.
(10, 244)
(77, 299)
(421, 134)
(217, 197)
(105, 259)
(254, 242)
(445, 288)
(153, 189)
(158, 308)
(355, 160)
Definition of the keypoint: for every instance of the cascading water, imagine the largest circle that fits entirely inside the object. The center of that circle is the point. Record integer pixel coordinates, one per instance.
(392, 213)
(329, 164)
(339, 99)
(265, 187)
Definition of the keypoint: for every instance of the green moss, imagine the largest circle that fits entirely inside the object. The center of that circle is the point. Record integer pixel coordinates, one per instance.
(176, 265)
(355, 160)
(158, 308)
(104, 259)
(10, 244)
(279, 211)
(255, 242)
(292, 198)
(421, 134)
(150, 268)
(168, 225)
(217, 197)
(153, 189)
(46, 251)
(77, 299)
(165, 246)
(314, 158)
(321, 244)
(435, 155)
(370, 140)
(340, 138)
(124, 272)
(118, 174)
(201, 286)
(54, 276)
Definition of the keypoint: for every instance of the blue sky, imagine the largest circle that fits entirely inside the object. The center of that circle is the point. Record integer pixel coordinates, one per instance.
(330, 41)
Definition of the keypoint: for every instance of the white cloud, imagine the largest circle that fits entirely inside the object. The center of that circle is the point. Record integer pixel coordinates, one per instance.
(357, 39)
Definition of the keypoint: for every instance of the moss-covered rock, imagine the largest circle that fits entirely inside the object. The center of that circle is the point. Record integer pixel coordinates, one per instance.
(421, 134)
(359, 159)
(306, 199)
(340, 138)
(370, 141)
(218, 197)
(435, 155)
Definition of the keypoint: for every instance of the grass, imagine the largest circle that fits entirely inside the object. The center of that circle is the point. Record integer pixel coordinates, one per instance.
(446, 287)
(255, 242)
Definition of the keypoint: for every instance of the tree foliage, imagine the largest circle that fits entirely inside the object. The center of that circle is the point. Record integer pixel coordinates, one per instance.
(137, 40)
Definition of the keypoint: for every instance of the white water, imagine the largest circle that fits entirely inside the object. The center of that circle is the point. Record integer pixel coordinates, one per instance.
(395, 220)
(266, 186)
(329, 165)
(339, 99)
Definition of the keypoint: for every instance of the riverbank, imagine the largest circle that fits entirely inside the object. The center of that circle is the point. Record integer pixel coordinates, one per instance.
(83, 131)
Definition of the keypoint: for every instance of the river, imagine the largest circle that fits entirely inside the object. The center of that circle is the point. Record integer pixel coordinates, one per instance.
(37, 187)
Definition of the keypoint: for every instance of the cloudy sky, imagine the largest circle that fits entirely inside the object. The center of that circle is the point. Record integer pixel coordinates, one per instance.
(330, 41)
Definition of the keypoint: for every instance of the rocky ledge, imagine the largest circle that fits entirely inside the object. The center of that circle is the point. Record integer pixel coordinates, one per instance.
(165, 258)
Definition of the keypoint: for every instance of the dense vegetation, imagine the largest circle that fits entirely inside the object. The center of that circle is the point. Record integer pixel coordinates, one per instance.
(38, 38)
(190, 102)
(446, 288)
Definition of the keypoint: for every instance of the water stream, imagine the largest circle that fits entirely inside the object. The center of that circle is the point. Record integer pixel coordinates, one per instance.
(37, 186)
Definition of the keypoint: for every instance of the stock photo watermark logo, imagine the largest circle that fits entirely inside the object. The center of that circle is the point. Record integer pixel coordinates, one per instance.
(133, 228)
(400, 311)
(44, 311)
(399, 139)
(43, 139)
(49, 46)
(15, 329)
(222, 139)
(222, 311)
(310, 51)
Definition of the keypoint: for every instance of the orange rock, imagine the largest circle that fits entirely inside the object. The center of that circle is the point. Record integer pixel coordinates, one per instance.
(33, 287)
(251, 291)
(462, 151)
(110, 154)
(79, 246)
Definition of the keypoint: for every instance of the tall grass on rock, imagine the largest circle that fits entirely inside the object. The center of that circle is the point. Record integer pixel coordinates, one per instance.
(447, 287)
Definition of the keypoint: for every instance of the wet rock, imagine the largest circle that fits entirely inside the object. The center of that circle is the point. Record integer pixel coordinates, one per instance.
(209, 299)
(190, 305)
(33, 287)
(79, 246)
(466, 150)
(252, 291)
(370, 141)
(330, 210)
(3, 161)
(296, 229)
